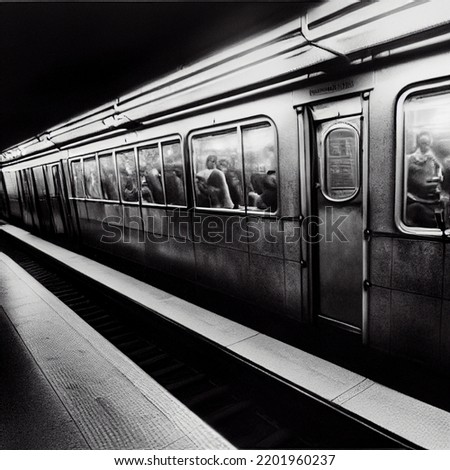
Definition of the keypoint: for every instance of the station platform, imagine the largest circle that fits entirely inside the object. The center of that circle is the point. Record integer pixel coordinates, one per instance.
(422, 424)
(66, 387)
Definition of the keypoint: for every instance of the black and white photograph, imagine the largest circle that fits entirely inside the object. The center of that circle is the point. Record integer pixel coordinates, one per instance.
(224, 232)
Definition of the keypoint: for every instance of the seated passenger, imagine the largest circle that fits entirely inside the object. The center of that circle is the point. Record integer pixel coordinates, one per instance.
(213, 192)
(146, 194)
(233, 183)
(445, 186)
(109, 185)
(256, 182)
(268, 200)
(153, 180)
(174, 185)
(220, 194)
(211, 164)
(130, 192)
(212, 187)
(202, 192)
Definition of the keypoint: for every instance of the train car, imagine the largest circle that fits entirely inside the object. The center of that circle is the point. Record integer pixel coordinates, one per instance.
(305, 172)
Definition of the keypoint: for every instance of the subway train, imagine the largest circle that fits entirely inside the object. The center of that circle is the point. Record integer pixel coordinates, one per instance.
(304, 172)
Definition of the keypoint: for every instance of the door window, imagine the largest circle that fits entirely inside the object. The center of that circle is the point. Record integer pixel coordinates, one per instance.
(341, 167)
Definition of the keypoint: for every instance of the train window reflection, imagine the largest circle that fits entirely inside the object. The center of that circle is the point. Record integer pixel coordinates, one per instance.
(108, 178)
(218, 167)
(427, 159)
(260, 168)
(39, 180)
(126, 166)
(341, 169)
(26, 187)
(174, 173)
(91, 178)
(150, 174)
(77, 179)
(56, 180)
(50, 182)
(11, 184)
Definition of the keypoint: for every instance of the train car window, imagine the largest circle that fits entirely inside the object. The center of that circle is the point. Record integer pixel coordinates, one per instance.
(91, 178)
(26, 190)
(108, 177)
(174, 173)
(39, 179)
(3, 197)
(57, 180)
(28, 174)
(217, 167)
(15, 188)
(77, 179)
(260, 160)
(12, 192)
(50, 181)
(126, 166)
(11, 184)
(426, 157)
(340, 165)
(150, 174)
(18, 176)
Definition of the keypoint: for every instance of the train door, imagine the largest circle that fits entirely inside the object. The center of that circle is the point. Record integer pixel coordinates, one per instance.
(337, 210)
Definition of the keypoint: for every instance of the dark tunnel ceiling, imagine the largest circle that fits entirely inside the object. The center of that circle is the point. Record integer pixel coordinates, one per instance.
(58, 60)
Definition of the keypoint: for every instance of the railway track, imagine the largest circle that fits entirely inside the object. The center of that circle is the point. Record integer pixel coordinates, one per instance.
(249, 409)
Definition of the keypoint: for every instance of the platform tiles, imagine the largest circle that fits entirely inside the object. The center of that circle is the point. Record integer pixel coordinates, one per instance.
(415, 421)
(66, 387)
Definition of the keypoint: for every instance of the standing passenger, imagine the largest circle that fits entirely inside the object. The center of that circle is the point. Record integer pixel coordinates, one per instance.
(423, 184)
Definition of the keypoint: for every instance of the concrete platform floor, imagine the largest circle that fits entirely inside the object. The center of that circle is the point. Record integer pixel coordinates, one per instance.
(63, 386)
(31, 414)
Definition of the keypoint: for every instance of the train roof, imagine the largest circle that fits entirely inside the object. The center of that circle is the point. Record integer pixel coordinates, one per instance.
(346, 32)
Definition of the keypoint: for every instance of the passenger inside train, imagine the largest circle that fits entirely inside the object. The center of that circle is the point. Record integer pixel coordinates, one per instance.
(233, 180)
(146, 194)
(263, 187)
(267, 199)
(128, 175)
(150, 174)
(425, 176)
(212, 187)
(220, 170)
